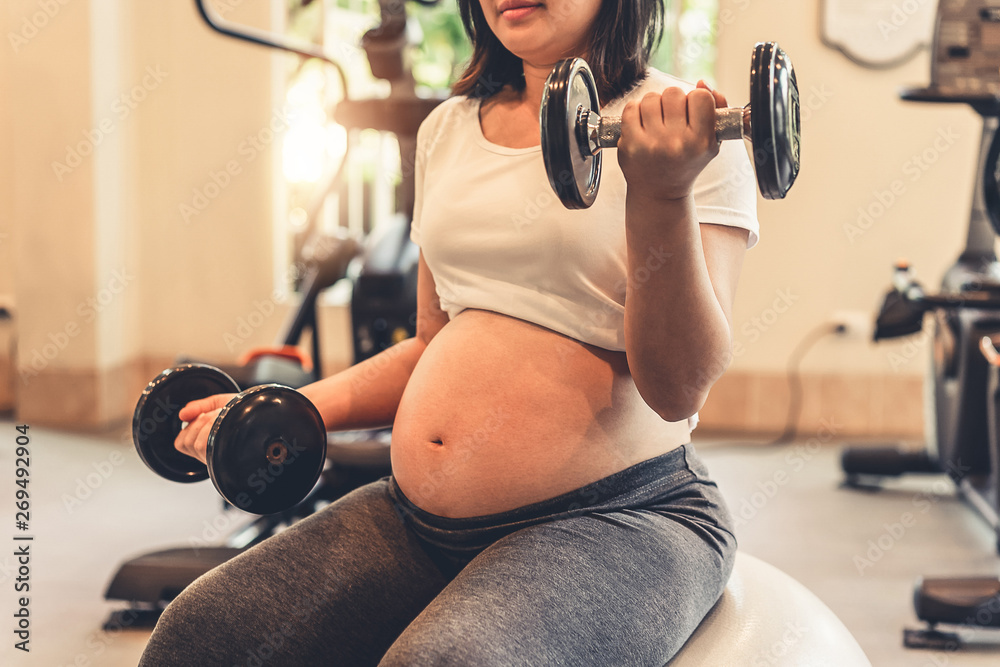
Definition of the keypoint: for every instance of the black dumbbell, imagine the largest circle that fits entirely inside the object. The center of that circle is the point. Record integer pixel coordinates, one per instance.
(573, 132)
(266, 449)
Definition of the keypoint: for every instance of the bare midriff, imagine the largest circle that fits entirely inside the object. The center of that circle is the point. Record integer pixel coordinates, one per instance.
(500, 413)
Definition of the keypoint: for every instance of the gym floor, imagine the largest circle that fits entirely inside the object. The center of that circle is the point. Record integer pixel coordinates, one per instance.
(94, 504)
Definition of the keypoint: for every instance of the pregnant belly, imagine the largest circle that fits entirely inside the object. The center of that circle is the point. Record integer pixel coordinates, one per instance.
(500, 413)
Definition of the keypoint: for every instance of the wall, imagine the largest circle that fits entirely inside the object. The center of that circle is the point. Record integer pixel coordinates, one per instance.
(207, 236)
(819, 253)
(53, 214)
(7, 337)
(209, 155)
(124, 110)
(112, 231)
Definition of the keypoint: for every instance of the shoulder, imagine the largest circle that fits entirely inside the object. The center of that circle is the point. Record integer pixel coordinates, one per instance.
(444, 122)
(451, 111)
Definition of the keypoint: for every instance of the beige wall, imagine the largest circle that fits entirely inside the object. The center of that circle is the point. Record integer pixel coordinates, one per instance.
(53, 221)
(188, 284)
(205, 268)
(858, 140)
(141, 104)
(6, 182)
(818, 256)
(7, 254)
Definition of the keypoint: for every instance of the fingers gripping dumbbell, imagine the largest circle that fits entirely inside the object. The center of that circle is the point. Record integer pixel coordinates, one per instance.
(573, 131)
(266, 449)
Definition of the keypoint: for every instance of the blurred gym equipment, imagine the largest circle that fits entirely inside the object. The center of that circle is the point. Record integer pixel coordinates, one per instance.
(382, 267)
(963, 397)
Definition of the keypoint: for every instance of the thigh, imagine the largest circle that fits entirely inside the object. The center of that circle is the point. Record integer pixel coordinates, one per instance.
(616, 588)
(335, 589)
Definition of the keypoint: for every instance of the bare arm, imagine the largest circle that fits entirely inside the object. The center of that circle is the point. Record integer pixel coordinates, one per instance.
(365, 395)
(682, 274)
(678, 323)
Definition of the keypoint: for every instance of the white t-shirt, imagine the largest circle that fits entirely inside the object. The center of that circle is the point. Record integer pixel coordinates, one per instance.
(496, 237)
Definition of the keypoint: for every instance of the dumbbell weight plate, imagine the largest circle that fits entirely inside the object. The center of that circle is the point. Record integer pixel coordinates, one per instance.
(569, 94)
(266, 449)
(573, 173)
(155, 423)
(774, 104)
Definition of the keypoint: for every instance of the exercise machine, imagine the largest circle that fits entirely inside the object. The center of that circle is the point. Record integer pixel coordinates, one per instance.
(382, 268)
(963, 396)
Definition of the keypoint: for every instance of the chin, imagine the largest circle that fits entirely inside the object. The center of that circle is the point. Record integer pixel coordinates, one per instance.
(535, 57)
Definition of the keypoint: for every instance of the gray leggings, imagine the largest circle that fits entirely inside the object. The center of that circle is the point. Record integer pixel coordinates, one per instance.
(619, 572)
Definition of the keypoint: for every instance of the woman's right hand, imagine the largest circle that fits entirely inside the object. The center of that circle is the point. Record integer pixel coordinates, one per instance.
(200, 415)
(667, 140)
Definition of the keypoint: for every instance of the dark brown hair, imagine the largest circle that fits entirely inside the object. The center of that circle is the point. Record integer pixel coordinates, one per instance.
(625, 34)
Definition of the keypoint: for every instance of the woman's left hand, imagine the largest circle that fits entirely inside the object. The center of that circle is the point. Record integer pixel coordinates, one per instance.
(667, 140)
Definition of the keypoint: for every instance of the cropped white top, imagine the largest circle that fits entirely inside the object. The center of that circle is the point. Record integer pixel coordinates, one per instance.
(496, 237)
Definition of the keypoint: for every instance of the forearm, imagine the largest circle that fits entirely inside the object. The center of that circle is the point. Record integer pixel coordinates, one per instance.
(677, 337)
(367, 394)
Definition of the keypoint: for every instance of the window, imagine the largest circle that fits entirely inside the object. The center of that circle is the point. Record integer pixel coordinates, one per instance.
(689, 32)
(314, 145)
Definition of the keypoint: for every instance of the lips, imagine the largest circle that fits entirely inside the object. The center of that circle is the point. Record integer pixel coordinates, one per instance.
(515, 9)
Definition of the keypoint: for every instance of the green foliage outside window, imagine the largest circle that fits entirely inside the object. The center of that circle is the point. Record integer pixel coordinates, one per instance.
(438, 55)
(444, 49)
(687, 49)
(689, 33)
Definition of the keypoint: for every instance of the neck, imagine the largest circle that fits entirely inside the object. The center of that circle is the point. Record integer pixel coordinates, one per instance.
(534, 84)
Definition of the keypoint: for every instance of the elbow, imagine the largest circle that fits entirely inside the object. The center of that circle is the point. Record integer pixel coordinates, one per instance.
(673, 403)
(679, 408)
(678, 396)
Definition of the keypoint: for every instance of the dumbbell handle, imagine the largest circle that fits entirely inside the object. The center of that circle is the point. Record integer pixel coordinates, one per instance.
(605, 131)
